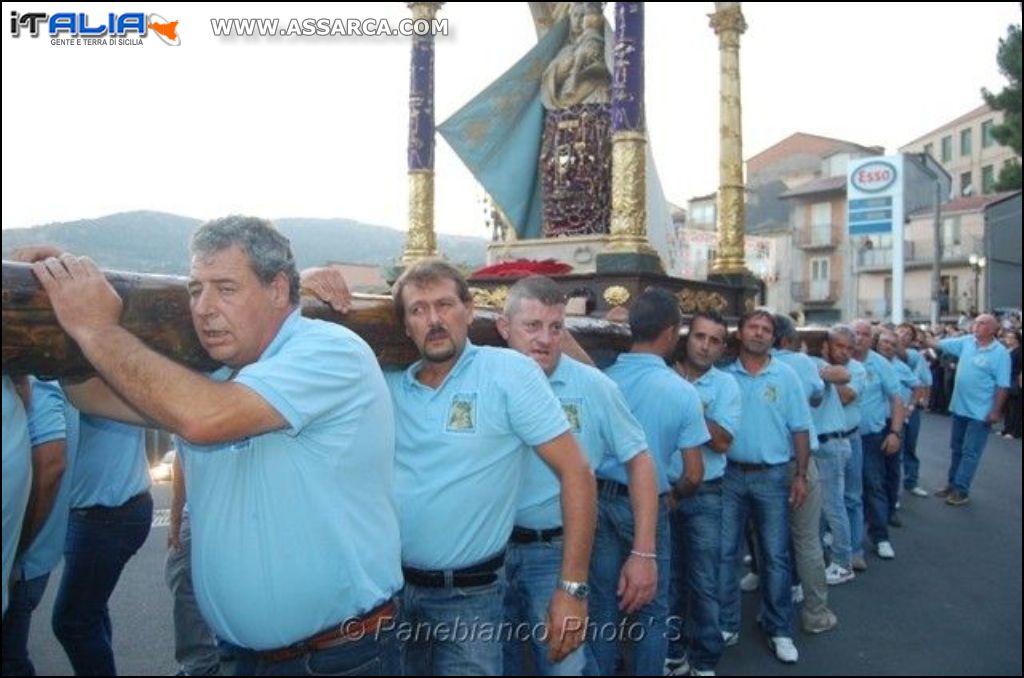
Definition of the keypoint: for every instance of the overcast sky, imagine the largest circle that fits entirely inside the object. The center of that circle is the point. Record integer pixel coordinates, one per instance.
(316, 127)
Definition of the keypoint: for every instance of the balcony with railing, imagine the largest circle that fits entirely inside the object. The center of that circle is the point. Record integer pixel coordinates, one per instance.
(918, 253)
(914, 309)
(817, 237)
(816, 292)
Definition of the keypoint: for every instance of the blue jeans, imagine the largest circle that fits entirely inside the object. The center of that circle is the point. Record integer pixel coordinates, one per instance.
(877, 503)
(99, 542)
(376, 654)
(693, 589)
(647, 626)
(764, 495)
(967, 443)
(911, 464)
(853, 494)
(25, 597)
(532, 571)
(453, 631)
(831, 459)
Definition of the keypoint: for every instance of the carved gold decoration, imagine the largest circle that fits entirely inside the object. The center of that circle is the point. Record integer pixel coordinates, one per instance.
(699, 301)
(489, 298)
(420, 241)
(750, 304)
(629, 194)
(728, 24)
(616, 295)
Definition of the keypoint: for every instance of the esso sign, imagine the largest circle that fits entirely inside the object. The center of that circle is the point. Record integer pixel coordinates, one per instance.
(873, 177)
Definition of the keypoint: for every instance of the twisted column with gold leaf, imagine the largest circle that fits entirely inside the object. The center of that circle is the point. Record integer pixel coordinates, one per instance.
(628, 249)
(728, 24)
(421, 242)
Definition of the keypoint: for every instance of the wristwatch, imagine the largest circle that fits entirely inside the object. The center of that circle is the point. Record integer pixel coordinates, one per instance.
(577, 589)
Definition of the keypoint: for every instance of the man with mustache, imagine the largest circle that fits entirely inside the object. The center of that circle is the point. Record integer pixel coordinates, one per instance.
(467, 417)
(287, 450)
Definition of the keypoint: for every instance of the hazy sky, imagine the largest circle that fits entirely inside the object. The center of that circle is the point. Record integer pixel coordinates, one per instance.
(316, 127)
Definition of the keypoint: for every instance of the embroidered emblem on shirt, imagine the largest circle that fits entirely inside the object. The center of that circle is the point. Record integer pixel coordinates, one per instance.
(573, 408)
(980, 361)
(770, 394)
(462, 413)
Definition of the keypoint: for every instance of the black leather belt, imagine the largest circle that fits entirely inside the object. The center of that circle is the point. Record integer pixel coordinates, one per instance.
(480, 574)
(611, 487)
(523, 535)
(748, 467)
(838, 435)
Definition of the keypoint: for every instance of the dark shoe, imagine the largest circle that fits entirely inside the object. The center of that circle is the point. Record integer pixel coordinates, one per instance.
(895, 521)
(944, 492)
(957, 499)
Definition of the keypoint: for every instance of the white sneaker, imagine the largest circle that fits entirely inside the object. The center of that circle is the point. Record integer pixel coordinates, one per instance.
(750, 582)
(677, 667)
(730, 638)
(784, 649)
(798, 596)
(698, 672)
(827, 540)
(836, 574)
(885, 550)
(918, 491)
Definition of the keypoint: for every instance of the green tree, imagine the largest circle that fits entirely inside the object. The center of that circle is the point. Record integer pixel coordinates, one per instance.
(1009, 101)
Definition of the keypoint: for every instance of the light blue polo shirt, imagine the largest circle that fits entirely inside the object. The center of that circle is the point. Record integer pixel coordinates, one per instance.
(721, 403)
(880, 385)
(810, 379)
(858, 381)
(601, 422)
(111, 467)
(774, 408)
(668, 409)
(980, 371)
(907, 379)
(17, 480)
(828, 416)
(294, 530)
(462, 450)
(51, 417)
(920, 366)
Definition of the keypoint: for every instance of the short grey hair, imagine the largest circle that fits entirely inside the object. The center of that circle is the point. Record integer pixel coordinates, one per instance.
(269, 252)
(843, 332)
(537, 287)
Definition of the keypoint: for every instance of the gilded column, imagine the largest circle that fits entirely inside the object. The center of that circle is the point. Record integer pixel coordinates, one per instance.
(728, 24)
(629, 139)
(421, 242)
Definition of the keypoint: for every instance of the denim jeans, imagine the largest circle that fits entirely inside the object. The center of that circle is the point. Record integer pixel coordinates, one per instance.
(533, 570)
(376, 654)
(646, 627)
(453, 631)
(853, 494)
(967, 443)
(831, 459)
(876, 494)
(99, 542)
(911, 464)
(25, 597)
(693, 589)
(195, 647)
(764, 495)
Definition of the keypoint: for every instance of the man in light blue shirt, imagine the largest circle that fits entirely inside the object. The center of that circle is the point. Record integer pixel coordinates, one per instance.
(53, 426)
(696, 638)
(979, 394)
(17, 478)
(881, 434)
(287, 450)
(669, 411)
(888, 347)
(909, 337)
(467, 418)
(759, 480)
(534, 325)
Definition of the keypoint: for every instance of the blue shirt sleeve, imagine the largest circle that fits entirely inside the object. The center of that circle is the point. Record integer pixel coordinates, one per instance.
(694, 431)
(619, 428)
(46, 413)
(727, 407)
(534, 412)
(952, 345)
(1003, 367)
(798, 410)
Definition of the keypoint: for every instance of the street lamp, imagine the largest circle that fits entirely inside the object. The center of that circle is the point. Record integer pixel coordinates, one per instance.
(977, 263)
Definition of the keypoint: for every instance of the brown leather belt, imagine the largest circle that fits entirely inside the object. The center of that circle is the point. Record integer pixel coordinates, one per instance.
(350, 630)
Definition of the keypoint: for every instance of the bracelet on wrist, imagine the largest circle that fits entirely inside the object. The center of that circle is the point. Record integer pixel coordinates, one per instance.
(644, 554)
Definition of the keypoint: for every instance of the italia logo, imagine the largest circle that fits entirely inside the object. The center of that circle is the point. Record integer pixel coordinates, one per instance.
(76, 28)
(874, 177)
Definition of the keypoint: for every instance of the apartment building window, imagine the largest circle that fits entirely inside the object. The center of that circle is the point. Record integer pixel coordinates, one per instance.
(988, 179)
(951, 236)
(947, 149)
(702, 213)
(986, 134)
(965, 183)
(965, 141)
(929, 149)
